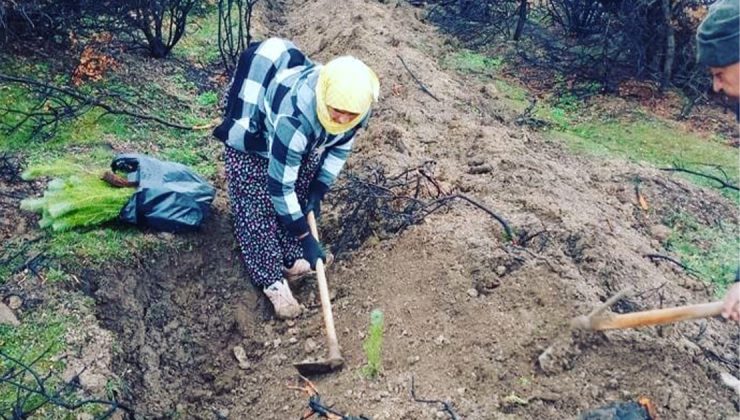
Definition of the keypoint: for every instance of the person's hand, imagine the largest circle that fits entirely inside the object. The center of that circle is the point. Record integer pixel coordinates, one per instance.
(316, 192)
(731, 307)
(313, 204)
(312, 250)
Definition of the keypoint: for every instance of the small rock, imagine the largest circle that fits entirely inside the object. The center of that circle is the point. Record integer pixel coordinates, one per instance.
(731, 382)
(309, 346)
(660, 232)
(482, 169)
(501, 270)
(441, 340)
(461, 391)
(441, 415)
(241, 356)
(677, 401)
(276, 342)
(476, 161)
(14, 302)
(411, 360)
(7, 317)
(473, 292)
(292, 340)
(624, 195)
(84, 416)
(166, 236)
(92, 381)
(612, 384)
(293, 331)
(290, 323)
(223, 413)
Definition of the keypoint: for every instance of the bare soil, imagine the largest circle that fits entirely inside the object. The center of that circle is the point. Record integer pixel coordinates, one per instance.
(467, 312)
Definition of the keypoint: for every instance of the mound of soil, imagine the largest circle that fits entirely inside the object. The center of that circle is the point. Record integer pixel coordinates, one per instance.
(467, 312)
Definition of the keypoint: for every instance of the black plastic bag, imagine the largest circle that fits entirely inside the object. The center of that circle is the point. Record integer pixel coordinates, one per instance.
(169, 196)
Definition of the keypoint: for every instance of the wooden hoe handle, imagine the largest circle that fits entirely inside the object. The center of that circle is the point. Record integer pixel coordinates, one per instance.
(656, 316)
(331, 333)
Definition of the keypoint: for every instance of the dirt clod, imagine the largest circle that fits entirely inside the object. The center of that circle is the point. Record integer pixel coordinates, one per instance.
(15, 302)
(241, 356)
(660, 232)
(7, 317)
(309, 346)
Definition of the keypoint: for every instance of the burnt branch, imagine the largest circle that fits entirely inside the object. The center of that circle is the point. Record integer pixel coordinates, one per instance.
(731, 365)
(446, 407)
(381, 206)
(55, 105)
(10, 168)
(723, 183)
(34, 390)
(416, 79)
(657, 257)
(234, 24)
(444, 200)
(317, 407)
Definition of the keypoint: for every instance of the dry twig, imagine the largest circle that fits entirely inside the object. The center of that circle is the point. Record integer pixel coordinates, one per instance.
(421, 85)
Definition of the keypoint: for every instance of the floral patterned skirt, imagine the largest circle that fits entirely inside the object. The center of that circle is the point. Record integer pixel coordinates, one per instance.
(266, 246)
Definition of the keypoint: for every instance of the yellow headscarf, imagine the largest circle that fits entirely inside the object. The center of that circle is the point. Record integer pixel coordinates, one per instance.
(347, 84)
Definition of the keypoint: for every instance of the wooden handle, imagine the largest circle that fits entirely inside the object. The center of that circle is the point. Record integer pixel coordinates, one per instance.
(657, 316)
(331, 333)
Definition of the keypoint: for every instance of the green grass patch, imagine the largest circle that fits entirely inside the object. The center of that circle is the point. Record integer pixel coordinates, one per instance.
(89, 129)
(80, 249)
(467, 61)
(512, 91)
(37, 343)
(40, 335)
(512, 95)
(207, 99)
(711, 251)
(644, 140)
(200, 42)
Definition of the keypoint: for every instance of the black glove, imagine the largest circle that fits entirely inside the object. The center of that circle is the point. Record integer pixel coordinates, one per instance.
(312, 250)
(316, 192)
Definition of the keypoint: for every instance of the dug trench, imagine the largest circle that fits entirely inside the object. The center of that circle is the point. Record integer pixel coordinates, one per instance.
(467, 311)
(468, 329)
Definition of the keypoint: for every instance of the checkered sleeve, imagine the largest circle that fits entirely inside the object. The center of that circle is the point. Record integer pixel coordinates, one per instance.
(336, 157)
(254, 72)
(288, 146)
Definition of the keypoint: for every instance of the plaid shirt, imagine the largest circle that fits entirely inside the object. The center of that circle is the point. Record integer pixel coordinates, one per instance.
(271, 111)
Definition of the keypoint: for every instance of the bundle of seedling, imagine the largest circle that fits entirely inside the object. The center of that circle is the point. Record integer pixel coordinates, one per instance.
(77, 197)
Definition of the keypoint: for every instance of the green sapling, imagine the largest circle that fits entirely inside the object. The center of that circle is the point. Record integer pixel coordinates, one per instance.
(373, 345)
